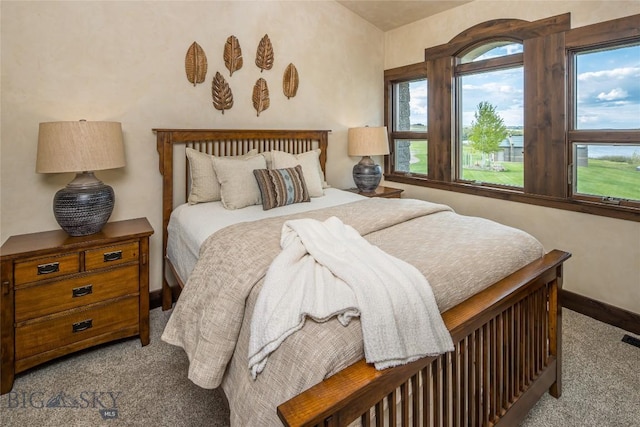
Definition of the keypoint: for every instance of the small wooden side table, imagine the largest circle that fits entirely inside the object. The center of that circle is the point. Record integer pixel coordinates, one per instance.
(381, 191)
(60, 294)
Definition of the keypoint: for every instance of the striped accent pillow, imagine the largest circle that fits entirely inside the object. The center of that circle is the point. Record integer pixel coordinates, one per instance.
(281, 187)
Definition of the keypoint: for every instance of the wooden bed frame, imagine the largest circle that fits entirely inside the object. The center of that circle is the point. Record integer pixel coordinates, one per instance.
(507, 337)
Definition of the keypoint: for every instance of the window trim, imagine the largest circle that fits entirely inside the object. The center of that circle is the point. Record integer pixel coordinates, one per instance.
(547, 181)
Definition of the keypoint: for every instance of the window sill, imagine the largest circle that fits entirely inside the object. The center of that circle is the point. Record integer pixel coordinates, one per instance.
(584, 206)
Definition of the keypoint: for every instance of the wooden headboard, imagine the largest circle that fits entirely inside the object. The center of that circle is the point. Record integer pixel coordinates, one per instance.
(171, 144)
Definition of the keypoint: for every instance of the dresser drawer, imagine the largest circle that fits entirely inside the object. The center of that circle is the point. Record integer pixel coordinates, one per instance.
(53, 297)
(40, 336)
(110, 255)
(46, 268)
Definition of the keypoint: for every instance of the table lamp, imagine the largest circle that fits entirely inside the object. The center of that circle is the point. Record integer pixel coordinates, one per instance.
(86, 203)
(366, 142)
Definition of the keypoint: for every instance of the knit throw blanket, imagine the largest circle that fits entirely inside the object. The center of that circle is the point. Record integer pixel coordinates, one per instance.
(327, 269)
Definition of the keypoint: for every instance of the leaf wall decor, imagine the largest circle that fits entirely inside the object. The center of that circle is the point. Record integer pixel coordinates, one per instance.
(260, 95)
(195, 64)
(221, 93)
(290, 81)
(232, 55)
(264, 55)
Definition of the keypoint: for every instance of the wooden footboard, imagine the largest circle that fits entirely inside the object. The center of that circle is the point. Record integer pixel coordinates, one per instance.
(507, 354)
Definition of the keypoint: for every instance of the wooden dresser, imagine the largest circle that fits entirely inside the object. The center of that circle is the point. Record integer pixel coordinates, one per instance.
(61, 294)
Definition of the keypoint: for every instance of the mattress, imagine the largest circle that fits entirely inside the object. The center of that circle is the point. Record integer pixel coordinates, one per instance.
(190, 225)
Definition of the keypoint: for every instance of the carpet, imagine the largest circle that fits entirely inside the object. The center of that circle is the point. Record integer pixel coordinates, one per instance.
(125, 384)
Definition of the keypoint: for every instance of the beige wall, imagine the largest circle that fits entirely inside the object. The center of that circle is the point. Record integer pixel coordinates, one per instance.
(124, 61)
(606, 252)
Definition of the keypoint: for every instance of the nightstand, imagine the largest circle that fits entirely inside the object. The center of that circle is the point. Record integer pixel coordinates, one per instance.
(60, 294)
(381, 191)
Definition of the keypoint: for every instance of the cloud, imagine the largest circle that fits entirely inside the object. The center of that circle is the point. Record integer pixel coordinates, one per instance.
(613, 95)
(616, 73)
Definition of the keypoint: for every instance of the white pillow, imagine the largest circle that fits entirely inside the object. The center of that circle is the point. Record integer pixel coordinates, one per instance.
(310, 162)
(204, 183)
(238, 186)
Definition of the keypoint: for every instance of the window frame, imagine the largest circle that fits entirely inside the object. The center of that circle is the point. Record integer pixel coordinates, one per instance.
(505, 62)
(401, 75)
(548, 149)
(593, 136)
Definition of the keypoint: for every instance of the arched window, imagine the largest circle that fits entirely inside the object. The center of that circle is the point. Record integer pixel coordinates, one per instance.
(490, 115)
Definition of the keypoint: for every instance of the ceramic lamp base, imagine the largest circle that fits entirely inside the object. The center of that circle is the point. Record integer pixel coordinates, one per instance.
(367, 175)
(84, 206)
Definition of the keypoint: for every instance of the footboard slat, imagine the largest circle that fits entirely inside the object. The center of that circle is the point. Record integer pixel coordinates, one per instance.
(506, 355)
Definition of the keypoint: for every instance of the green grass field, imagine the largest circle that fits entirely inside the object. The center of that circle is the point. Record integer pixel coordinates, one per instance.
(607, 178)
(600, 178)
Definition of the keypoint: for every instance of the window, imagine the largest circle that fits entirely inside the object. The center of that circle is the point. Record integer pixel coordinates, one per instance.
(607, 171)
(409, 128)
(564, 105)
(490, 119)
(605, 137)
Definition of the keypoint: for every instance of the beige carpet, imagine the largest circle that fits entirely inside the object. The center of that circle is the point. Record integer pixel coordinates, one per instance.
(124, 384)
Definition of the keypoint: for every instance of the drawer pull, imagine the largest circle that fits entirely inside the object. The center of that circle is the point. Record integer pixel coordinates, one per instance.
(52, 267)
(82, 326)
(82, 291)
(112, 256)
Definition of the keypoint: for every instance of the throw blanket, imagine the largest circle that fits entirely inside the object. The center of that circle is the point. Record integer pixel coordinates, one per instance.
(327, 269)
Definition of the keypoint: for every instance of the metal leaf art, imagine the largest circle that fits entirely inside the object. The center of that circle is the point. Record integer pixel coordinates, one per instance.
(264, 55)
(260, 95)
(290, 81)
(232, 54)
(221, 93)
(195, 64)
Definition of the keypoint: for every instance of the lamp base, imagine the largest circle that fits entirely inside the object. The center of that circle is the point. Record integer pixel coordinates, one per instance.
(84, 206)
(367, 175)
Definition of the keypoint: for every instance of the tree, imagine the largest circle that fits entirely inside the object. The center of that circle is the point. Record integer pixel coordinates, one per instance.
(487, 130)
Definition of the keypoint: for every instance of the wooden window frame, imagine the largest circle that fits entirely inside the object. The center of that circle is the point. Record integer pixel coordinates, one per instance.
(606, 35)
(547, 142)
(393, 77)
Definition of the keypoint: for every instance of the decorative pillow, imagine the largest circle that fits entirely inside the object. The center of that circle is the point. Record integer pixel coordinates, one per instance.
(310, 162)
(281, 187)
(238, 187)
(204, 183)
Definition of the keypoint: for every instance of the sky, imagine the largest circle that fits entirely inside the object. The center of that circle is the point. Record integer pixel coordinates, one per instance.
(608, 87)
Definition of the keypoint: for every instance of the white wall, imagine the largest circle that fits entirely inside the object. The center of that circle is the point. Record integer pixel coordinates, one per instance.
(124, 61)
(606, 252)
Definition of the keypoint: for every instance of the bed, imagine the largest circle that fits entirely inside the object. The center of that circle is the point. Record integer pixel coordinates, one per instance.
(506, 332)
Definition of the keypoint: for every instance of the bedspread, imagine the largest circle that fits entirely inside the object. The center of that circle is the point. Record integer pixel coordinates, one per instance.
(459, 256)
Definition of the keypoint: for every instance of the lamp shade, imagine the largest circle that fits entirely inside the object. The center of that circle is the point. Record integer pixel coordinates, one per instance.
(368, 141)
(86, 203)
(79, 146)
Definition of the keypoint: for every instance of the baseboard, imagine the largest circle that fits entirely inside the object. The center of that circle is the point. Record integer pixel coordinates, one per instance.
(155, 299)
(601, 311)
